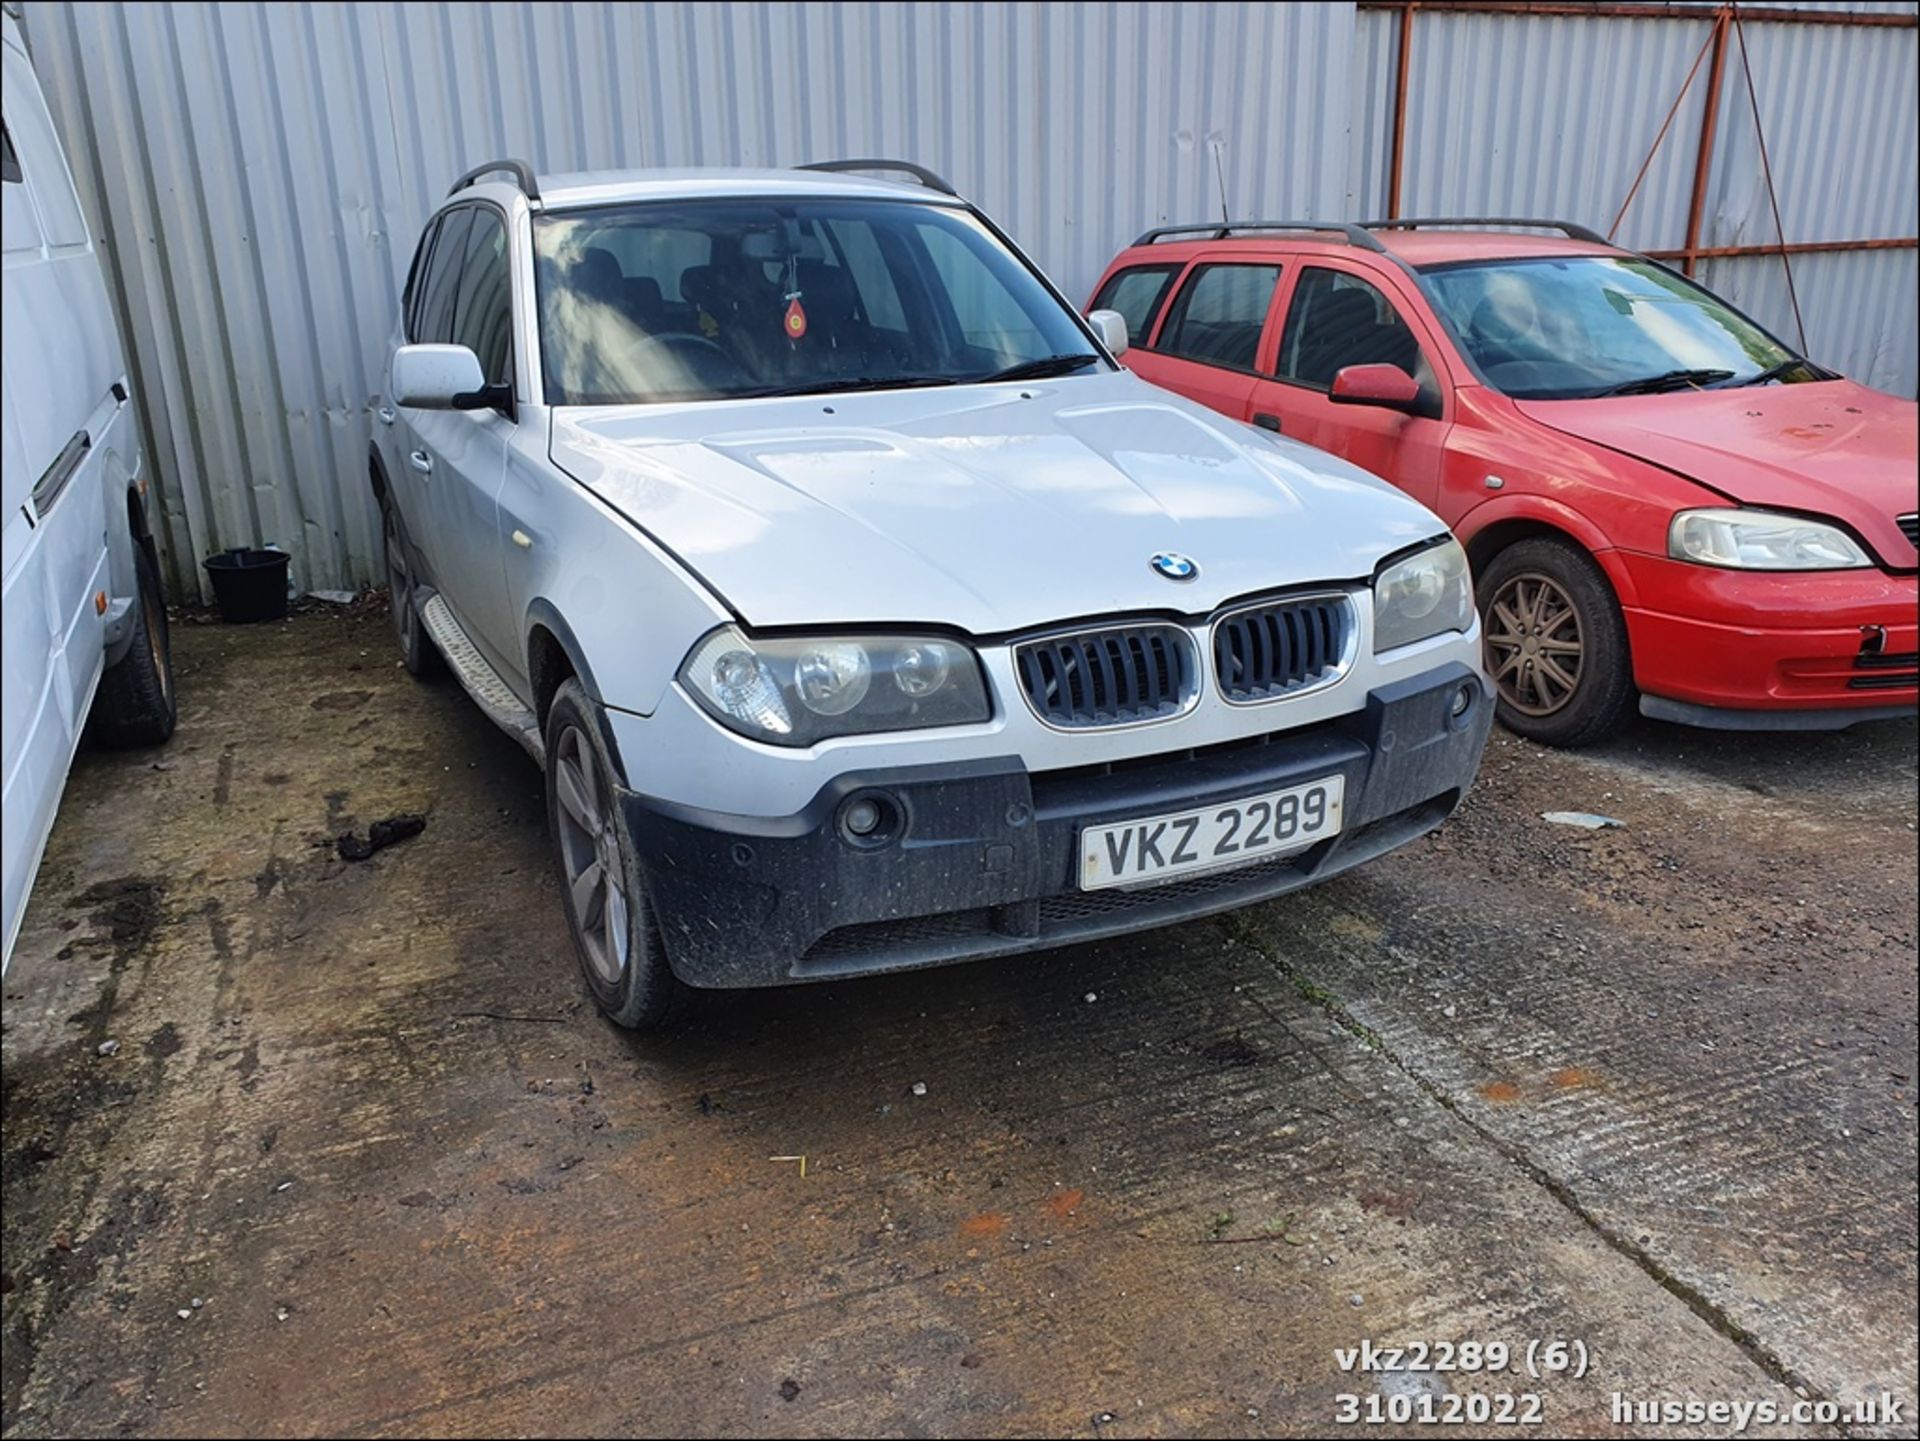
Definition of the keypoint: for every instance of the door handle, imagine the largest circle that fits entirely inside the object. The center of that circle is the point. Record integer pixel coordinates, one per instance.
(1267, 421)
(421, 462)
(386, 414)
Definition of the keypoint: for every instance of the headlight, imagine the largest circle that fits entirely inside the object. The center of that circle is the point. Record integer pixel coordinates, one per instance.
(793, 691)
(1761, 540)
(1427, 594)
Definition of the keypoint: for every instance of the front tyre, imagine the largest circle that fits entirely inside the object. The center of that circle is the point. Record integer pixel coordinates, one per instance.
(136, 706)
(1555, 643)
(614, 933)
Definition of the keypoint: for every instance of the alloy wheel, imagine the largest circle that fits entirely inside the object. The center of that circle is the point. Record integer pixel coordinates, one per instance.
(590, 856)
(1535, 644)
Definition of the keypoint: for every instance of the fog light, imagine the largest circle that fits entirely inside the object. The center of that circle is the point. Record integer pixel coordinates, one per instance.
(870, 820)
(1463, 701)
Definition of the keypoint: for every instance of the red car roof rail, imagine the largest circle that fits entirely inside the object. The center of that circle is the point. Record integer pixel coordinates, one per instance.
(905, 167)
(1220, 230)
(1572, 229)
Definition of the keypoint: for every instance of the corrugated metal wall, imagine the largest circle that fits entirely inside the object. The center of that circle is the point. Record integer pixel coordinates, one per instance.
(260, 171)
(1553, 115)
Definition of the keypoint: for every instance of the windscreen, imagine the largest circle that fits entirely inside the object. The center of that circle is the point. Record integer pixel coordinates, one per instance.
(718, 299)
(1593, 325)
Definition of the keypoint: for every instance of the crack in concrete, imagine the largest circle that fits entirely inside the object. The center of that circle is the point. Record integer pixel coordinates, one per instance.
(1758, 1352)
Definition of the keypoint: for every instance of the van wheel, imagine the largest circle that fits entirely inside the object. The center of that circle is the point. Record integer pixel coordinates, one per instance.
(614, 932)
(417, 652)
(135, 706)
(1555, 643)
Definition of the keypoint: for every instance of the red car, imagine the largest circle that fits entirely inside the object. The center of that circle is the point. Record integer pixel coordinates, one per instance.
(1661, 501)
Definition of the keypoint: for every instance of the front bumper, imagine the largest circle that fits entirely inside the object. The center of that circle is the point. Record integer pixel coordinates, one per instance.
(1819, 642)
(984, 863)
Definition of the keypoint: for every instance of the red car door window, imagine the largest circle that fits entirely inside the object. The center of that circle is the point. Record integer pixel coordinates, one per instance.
(1336, 318)
(1208, 344)
(1219, 314)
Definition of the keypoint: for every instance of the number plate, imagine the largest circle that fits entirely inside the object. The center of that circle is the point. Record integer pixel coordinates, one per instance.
(1212, 838)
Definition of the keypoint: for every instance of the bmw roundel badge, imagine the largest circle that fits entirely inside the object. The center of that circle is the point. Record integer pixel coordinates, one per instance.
(1174, 566)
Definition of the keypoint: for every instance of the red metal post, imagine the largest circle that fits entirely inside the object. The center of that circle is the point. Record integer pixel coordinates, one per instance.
(1647, 164)
(1396, 168)
(1703, 163)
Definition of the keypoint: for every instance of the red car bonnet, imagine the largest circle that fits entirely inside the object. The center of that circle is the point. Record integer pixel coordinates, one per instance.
(1826, 447)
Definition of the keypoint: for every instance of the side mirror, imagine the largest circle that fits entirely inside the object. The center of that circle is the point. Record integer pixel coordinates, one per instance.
(1383, 385)
(1111, 327)
(436, 377)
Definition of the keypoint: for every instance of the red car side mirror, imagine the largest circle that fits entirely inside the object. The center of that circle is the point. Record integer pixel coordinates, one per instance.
(1385, 385)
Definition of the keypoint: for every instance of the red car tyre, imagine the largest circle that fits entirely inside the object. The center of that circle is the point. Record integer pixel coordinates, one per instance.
(1556, 644)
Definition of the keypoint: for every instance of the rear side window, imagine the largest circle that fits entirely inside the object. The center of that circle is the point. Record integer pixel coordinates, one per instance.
(1336, 320)
(1137, 294)
(483, 320)
(1219, 313)
(435, 326)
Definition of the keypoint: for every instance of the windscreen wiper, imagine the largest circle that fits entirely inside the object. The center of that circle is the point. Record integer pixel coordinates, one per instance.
(1043, 368)
(840, 384)
(1668, 380)
(1775, 372)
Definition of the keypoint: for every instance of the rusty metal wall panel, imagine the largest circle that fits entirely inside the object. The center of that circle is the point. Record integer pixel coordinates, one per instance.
(1859, 308)
(260, 173)
(1548, 115)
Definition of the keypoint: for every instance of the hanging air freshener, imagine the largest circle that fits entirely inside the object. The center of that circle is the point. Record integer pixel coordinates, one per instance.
(796, 318)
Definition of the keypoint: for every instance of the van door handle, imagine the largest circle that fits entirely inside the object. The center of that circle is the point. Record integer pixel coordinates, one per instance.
(1267, 421)
(421, 462)
(386, 414)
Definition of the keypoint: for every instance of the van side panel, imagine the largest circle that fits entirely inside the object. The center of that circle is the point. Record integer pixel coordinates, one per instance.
(69, 448)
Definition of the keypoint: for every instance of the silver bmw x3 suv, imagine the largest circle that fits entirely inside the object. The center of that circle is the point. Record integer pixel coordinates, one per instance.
(862, 609)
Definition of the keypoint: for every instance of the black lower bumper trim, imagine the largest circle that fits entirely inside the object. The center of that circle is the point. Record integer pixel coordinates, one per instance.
(1722, 718)
(981, 859)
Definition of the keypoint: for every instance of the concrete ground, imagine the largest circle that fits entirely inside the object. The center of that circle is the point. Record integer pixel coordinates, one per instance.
(364, 1162)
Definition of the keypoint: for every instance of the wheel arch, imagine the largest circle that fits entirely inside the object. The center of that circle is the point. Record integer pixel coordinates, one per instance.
(1491, 527)
(554, 656)
(377, 476)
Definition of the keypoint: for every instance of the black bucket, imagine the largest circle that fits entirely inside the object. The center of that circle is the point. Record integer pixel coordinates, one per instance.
(250, 585)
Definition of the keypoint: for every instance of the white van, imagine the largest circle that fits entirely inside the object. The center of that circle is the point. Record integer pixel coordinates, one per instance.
(82, 607)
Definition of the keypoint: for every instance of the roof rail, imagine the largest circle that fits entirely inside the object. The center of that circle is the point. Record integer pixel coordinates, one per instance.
(1571, 229)
(1220, 230)
(906, 167)
(522, 172)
